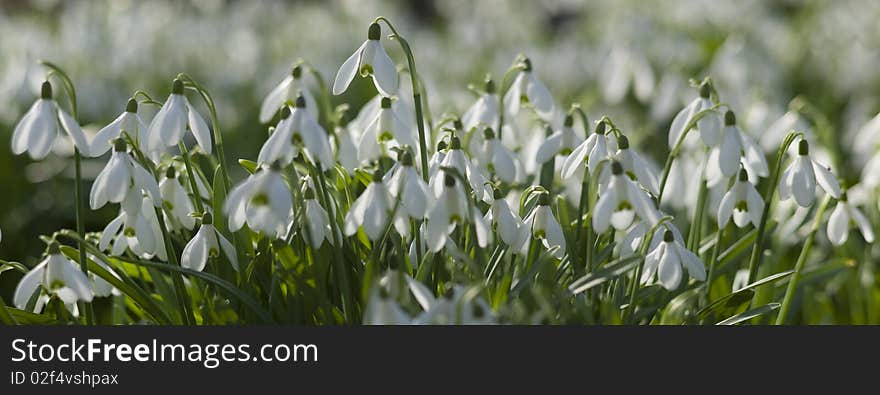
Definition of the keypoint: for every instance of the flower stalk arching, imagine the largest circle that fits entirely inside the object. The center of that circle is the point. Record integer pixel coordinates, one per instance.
(516, 67)
(799, 265)
(78, 193)
(667, 167)
(755, 258)
(417, 93)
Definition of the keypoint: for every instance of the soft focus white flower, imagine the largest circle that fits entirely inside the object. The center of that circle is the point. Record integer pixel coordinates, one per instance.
(370, 211)
(176, 201)
(543, 226)
(526, 88)
(316, 219)
(383, 310)
(620, 202)
(709, 125)
(496, 159)
(37, 130)
(123, 179)
(735, 145)
(450, 210)
(776, 132)
(457, 159)
(58, 276)
(561, 142)
(136, 228)
(742, 202)
(370, 59)
(170, 123)
(623, 66)
(297, 130)
(484, 112)
(800, 178)
(288, 89)
(207, 243)
(635, 166)
(593, 150)
(130, 122)
(385, 131)
(407, 184)
(843, 215)
(262, 201)
(666, 261)
(511, 229)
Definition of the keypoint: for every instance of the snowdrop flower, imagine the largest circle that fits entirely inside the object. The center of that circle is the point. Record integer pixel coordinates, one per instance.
(742, 202)
(450, 210)
(370, 210)
(635, 166)
(369, 60)
(344, 148)
(871, 172)
(496, 158)
(262, 201)
(129, 121)
(484, 112)
(526, 88)
(296, 130)
(736, 144)
(176, 201)
(406, 184)
(317, 220)
(709, 125)
(100, 287)
(136, 228)
(799, 179)
(511, 229)
(593, 150)
(561, 142)
(625, 65)
(37, 130)
(457, 306)
(287, 90)
(667, 260)
(123, 179)
(170, 123)
(207, 243)
(58, 276)
(436, 159)
(385, 131)
(620, 202)
(839, 223)
(383, 310)
(543, 226)
(456, 158)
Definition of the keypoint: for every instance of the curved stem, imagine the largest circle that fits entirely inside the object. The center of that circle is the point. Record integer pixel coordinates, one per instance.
(417, 93)
(799, 266)
(517, 66)
(675, 150)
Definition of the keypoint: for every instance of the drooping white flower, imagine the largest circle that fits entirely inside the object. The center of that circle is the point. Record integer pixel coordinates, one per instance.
(511, 229)
(561, 142)
(382, 309)
(593, 150)
(123, 179)
(316, 219)
(623, 67)
(634, 165)
(262, 201)
(742, 202)
(345, 149)
(621, 201)
(454, 307)
(406, 183)
(450, 210)
(385, 131)
(456, 158)
(436, 159)
(842, 217)
(58, 276)
(709, 125)
(207, 243)
(667, 261)
(370, 211)
(136, 228)
(297, 130)
(737, 147)
(496, 159)
(369, 60)
(130, 122)
(287, 90)
(543, 226)
(37, 130)
(484, 112)
(526, 88)
(170, 123)
(800, 178)
(176, 201)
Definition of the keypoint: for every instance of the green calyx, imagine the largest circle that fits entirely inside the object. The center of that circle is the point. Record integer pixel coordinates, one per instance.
(488, 134)
(705, 90)
(729, 118)
(386, 102)
(296, 72)
(454, 143)
(207, 219)
(285, 112)
(616, 168)
(623, 142)
(131, 106)
(527, 64)
(53, 248)
(743, 175)
(569, 121)
(46, 90)
(300, 101)
(803, 148)
(377, 176)
(309, 194)
(374, 31)
(544, 199)
(668, 236)
(490, 86)
(171, 172)
(119, 145)
(177, 87)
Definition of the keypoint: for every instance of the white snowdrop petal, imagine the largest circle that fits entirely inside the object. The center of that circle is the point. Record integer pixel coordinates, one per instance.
(669, 269)
(838, 224)
(347, 71)
(826, 180)
(863, 224)
(199, 128)
(28, 285)
(275, 99)
(384, 71)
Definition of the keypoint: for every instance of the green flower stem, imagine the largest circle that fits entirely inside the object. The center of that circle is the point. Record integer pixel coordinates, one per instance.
(799, 265)
(517, 66)
(677, 148)
(417, 93)
(193, 186)
(694, 233)
(78, 197)
(5, 317)
(713, 258)
(757, 249)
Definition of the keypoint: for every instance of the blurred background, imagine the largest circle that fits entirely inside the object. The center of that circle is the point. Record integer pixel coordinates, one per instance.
(626, 59)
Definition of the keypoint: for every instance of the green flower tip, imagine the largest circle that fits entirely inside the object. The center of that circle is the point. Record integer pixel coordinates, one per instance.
(490, 86)
(374, 31)
(171, 172)
(527, 64)
(544, 199)
(53, 248)
(296, 72)
(600, 128)
(308, 194)
(300, 101)
(569, 121)
(623, 142)
(843, 196)
(131, 106)
(668, 236)
(488, 134)
(177, 87)
(803, 148)
(119, 145)
(616, 168)
(386, 102)
(496, 194)
(454, 143)
(285, 112)
(406, 158)
(743, 175)
(456, 123)
(705, 90)
(377, 176)
(207, 219)
(729, 118)
(449, 180)
(441, 146)
(46, 90)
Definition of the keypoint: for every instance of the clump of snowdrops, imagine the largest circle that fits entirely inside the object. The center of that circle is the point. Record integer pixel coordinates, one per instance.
(520, 209)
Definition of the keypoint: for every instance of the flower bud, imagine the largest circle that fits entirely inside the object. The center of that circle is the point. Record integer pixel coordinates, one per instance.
(300, 101)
